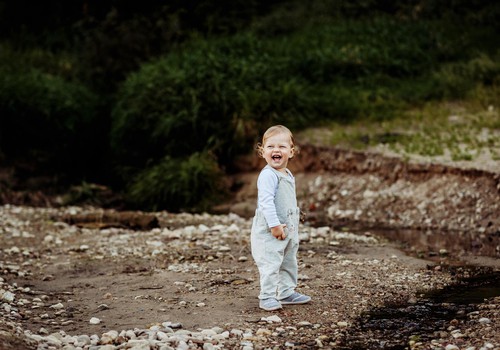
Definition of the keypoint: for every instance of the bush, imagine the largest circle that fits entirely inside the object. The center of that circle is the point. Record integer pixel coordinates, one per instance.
(45, 119)
(177, 184)
(220, 94)
(215, 96)
(457, 79)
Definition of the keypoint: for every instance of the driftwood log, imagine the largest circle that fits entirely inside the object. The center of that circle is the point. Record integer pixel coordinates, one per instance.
(126, 219)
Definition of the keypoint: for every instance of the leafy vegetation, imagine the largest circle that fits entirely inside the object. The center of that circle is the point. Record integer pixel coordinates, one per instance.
(137, 97)
(446, 131)
(178, 184)
(46, 120)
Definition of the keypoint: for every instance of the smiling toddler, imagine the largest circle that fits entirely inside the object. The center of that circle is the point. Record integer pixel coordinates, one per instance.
(275, 237)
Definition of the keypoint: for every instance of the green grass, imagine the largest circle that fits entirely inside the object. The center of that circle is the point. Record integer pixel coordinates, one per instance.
(460, 131)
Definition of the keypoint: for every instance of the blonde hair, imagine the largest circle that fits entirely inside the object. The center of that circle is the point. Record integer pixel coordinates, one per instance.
(273, 130)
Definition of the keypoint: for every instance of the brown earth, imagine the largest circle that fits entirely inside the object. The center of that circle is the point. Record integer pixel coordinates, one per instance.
(378, 232)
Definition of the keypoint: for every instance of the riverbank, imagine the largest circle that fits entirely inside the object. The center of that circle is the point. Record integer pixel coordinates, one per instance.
(380, 234)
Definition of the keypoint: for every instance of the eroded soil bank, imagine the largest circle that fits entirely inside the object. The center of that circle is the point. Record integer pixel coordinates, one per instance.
(430, 206)
(191, 281)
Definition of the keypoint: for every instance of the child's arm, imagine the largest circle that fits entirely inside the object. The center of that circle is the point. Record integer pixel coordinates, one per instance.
(267, 184)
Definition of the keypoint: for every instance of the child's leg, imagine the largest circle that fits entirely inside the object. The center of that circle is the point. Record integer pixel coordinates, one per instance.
(267, 252)
(289, 270)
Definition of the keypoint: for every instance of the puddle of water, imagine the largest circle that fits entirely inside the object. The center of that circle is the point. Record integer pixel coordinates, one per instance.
(435, 245)
(472, 290)
(392, 326)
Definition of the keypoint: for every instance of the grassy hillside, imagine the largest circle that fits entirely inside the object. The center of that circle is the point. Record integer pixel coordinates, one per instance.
(135, 98)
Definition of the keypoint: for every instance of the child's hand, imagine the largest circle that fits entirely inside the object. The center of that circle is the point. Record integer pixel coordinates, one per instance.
(279, 231)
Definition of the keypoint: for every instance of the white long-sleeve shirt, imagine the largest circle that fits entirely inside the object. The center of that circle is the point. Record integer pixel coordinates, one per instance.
(267, 185)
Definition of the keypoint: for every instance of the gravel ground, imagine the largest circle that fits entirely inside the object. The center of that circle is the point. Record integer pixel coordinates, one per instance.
(191, 283)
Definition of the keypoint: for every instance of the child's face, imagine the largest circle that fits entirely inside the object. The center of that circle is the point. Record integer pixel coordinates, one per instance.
(278, 150)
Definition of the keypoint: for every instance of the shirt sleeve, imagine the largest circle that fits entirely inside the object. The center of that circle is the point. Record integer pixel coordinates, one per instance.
(267, 184)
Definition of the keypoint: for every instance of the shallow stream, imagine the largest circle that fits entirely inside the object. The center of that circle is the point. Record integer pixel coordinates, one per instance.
(394, 326)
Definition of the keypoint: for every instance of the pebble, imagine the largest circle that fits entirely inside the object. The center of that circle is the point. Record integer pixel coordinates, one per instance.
(271, 319)
(170, 336)
(57, 306)
(7, 296)
(94, 320)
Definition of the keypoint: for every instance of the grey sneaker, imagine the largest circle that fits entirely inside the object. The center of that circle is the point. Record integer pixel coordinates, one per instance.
(270, 304)
(296, 298)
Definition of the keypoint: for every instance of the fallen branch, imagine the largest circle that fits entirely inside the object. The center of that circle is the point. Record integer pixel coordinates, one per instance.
(127, 219)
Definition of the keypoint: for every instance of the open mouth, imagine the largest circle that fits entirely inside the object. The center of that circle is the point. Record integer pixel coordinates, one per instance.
(276, 157)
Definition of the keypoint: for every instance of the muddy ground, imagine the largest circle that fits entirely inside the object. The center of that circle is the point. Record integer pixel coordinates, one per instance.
(380, 233)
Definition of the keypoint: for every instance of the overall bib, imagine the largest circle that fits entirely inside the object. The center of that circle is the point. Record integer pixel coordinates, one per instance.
(277, 259)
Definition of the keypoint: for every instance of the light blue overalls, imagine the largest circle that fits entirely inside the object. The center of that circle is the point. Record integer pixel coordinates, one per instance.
(277, 259)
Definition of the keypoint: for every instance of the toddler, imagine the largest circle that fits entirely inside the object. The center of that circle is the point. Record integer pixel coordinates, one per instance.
(275, 236)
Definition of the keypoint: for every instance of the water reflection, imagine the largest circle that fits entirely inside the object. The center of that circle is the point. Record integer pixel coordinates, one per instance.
(391, 326)
(430, 244)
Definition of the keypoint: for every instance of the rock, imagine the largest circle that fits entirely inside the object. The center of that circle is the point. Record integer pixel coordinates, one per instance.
(484, 320)
(57, 306)
(263, 332)
(109, 337)
(7, 296)
(271, 319)
(94, 320)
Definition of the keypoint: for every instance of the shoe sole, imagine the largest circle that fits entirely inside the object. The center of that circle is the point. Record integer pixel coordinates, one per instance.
(271, 308)
(294, 302)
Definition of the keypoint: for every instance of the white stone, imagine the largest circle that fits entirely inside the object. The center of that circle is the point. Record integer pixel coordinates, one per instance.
(57, 306)
(218, 330)
(208, 332)
(109, 337)
(109, 347)
(8, 297)
(130, 334)
(233, 229)
(262, 332)
(83, 340)
(208, 346)
(162, 336)
(271, 319)
(138, 344)
(52, 339)
(94, 320)
(182, 345)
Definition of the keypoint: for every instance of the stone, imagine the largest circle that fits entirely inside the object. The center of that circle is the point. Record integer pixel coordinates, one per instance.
(272, 319)
(94, 320)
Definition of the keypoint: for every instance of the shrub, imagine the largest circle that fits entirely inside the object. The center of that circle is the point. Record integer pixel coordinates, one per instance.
(216, 95)
(45, 119)
(190, 183)
(457, 79)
